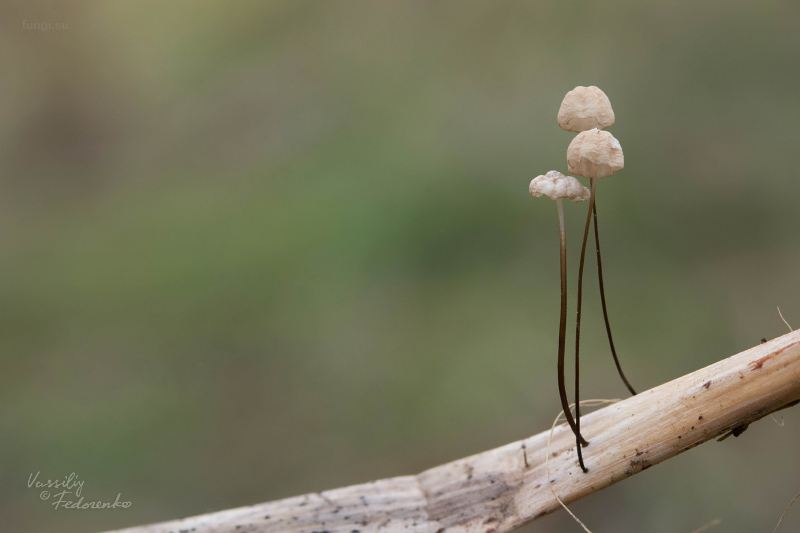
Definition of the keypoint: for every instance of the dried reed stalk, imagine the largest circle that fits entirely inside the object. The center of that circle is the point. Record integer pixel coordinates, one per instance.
(504, 488)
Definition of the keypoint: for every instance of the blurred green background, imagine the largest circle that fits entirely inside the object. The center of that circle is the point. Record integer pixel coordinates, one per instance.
(257, 249)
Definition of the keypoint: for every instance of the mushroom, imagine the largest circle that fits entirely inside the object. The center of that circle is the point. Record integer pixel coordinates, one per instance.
(596, 154)
(584, 108)
(593, 154)
(556, 186)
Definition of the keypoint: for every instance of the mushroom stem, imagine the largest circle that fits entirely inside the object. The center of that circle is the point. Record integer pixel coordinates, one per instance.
(562, 326)
(578, 437)
(603, 300)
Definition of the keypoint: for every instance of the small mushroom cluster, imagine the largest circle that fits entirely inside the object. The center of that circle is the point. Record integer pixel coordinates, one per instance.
(593, 153)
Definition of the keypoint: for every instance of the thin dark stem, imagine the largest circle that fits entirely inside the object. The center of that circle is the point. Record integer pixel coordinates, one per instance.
(578, 437)
(562, 326)
(603, 302)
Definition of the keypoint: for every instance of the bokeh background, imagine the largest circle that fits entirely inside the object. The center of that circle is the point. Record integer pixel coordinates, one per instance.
(251, 250)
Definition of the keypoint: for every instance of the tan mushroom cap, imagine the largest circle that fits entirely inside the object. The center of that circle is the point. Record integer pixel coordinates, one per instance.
(584, 108)
(556, 185)
(595, 154)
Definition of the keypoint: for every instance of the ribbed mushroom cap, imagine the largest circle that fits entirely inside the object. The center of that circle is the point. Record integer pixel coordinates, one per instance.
(584, 108)
(595, 154)
(556, 185)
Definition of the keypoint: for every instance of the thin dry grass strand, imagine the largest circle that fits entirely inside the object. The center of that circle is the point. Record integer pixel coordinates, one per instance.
(786, 511)
(784, 320)
(547, 456)
(709, 525)
(780, 424)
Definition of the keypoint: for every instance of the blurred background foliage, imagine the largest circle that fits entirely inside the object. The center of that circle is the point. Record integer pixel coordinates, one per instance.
(257, 249)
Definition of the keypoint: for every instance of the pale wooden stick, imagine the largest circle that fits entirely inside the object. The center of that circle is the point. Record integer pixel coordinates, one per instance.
(495, 491)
